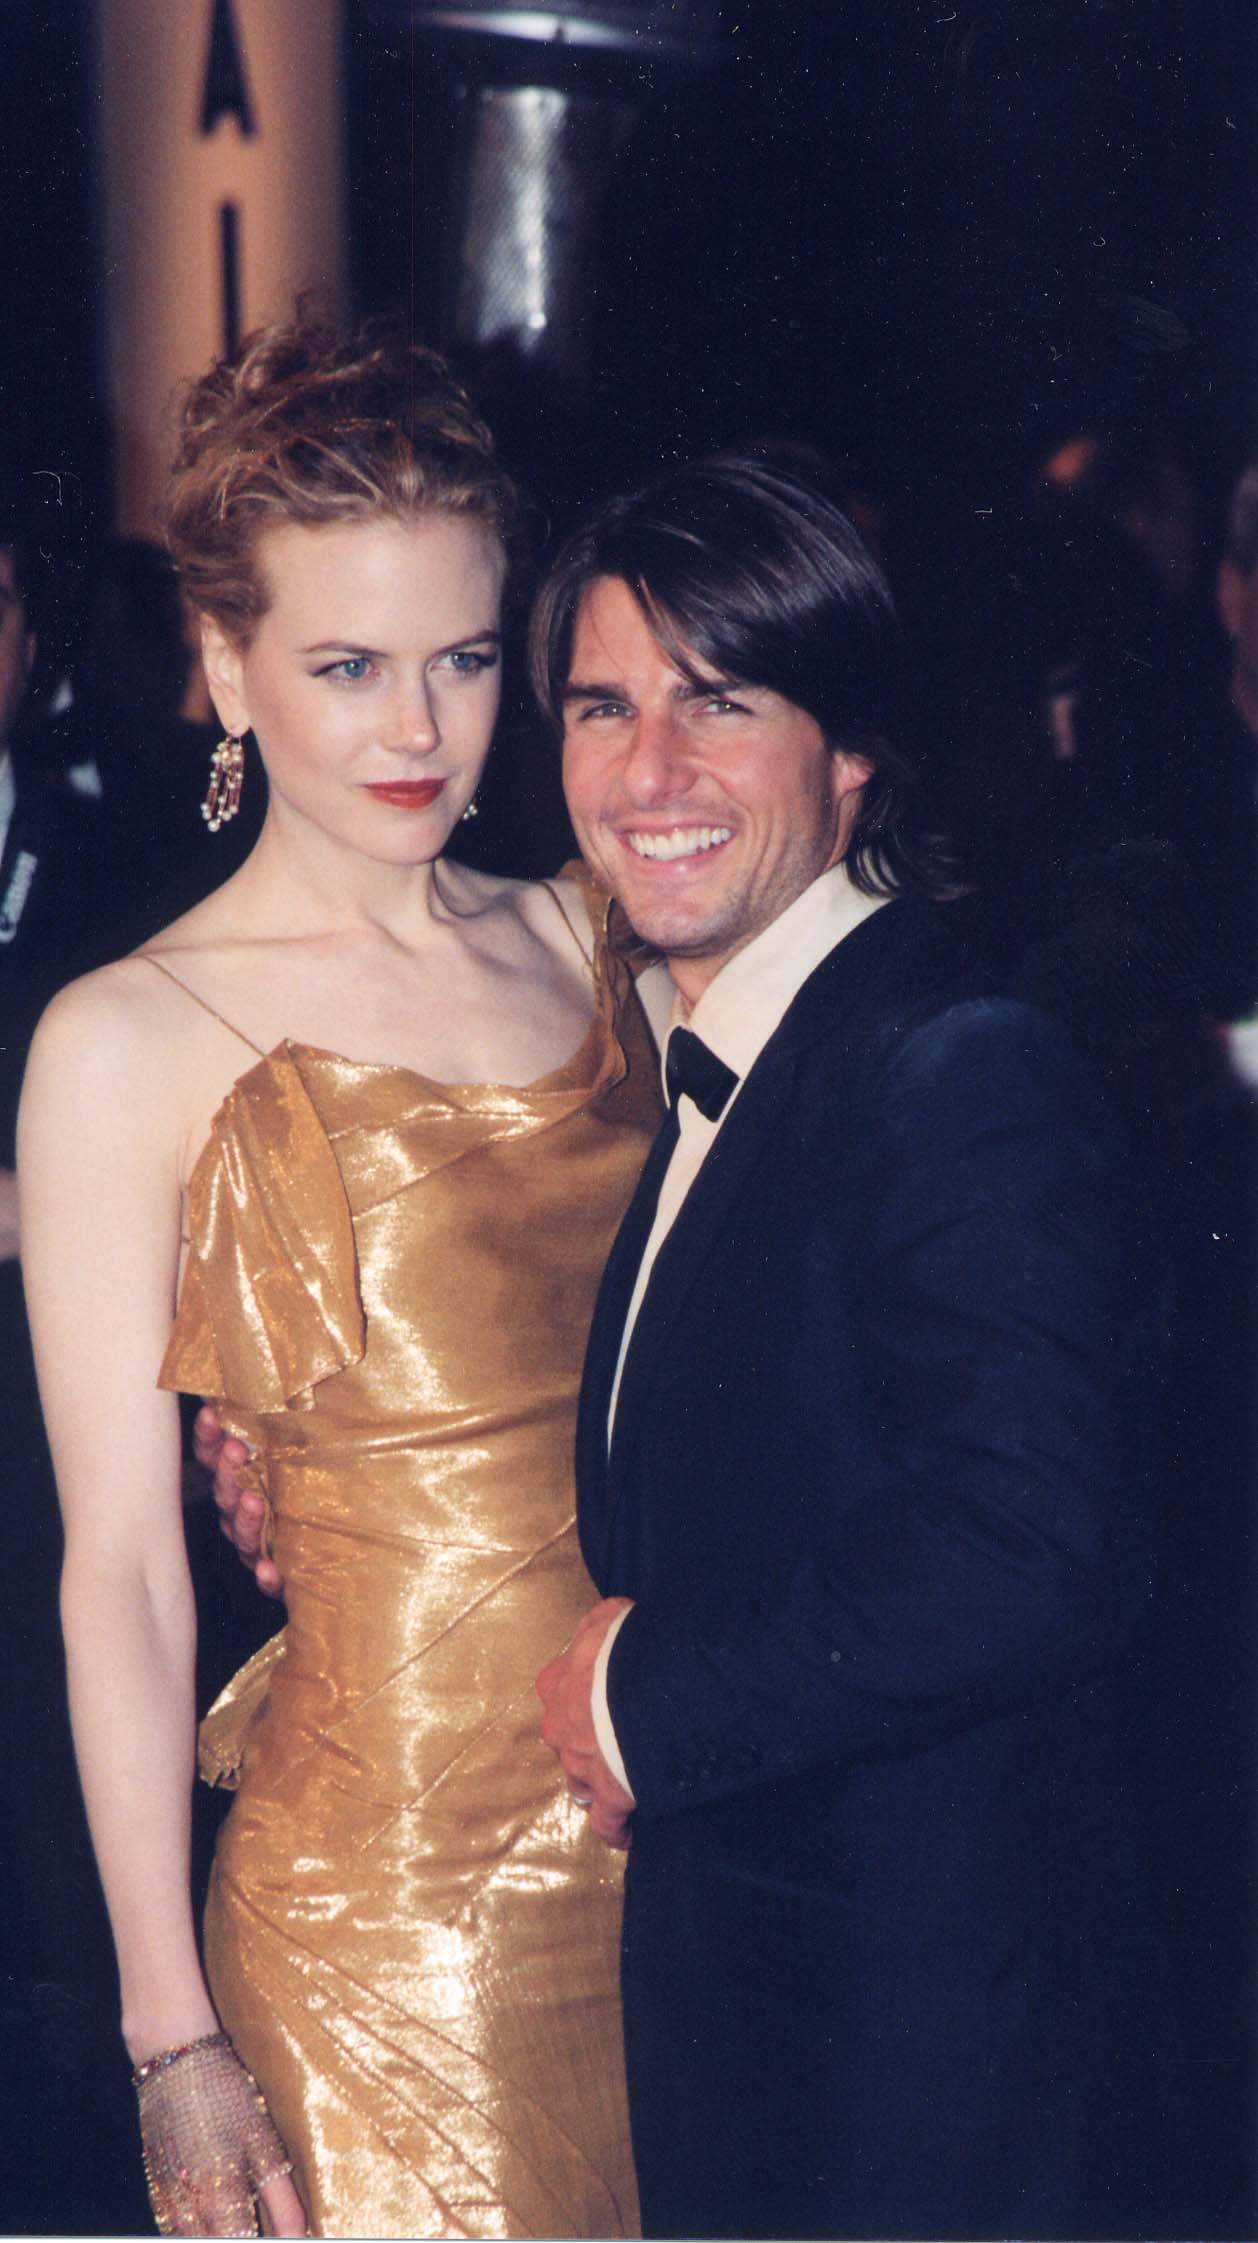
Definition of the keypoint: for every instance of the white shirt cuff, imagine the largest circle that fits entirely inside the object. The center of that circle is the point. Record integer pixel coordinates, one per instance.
(603, 1729)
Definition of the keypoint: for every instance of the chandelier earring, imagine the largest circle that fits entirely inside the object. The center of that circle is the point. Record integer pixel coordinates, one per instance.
(227, 771)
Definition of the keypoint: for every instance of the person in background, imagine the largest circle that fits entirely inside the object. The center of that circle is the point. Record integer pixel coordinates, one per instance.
(47, 860)
(1194, 1708)
(117, 735)
(63, 2087)
(1219, 806)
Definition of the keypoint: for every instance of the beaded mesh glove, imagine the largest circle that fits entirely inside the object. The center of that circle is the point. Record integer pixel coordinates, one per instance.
(208, 2141)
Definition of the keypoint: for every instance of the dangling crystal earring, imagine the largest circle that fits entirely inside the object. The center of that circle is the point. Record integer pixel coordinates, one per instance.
(472, 811)
(227, 770)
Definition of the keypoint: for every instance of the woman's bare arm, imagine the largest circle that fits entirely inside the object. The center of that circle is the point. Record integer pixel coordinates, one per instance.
(100, 1197)
(100, 1216)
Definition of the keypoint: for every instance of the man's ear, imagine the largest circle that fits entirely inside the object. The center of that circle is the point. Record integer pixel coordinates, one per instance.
(849, 776)
(223, 663)
(1231, 592)
(848, 772)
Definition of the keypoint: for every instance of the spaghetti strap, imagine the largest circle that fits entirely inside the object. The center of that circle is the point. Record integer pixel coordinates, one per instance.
(561, 908)
(232, 1030)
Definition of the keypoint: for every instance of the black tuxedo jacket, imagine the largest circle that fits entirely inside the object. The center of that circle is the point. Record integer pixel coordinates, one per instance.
(881, 1482)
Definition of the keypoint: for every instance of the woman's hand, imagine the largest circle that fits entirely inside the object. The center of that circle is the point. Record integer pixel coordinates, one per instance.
(210, 2149)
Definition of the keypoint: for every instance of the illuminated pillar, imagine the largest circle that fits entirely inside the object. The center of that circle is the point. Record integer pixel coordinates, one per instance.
(548, 97)
(221, 150)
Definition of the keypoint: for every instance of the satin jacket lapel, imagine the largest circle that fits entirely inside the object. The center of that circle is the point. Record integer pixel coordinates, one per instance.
(603, 1350)
(700, 1221)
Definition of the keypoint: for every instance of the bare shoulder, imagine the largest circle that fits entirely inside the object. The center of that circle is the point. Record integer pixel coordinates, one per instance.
(574, 896)
(110, 1046)
(575, 890)
(134, 1013)
(532, 903)
(112, 1016)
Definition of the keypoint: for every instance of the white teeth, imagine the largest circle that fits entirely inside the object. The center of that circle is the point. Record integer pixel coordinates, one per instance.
(683, 841)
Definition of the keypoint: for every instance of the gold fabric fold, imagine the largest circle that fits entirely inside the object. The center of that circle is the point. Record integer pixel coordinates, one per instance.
(412, 1934)
(269, 1304)
(224, 1733)
(391, 1129)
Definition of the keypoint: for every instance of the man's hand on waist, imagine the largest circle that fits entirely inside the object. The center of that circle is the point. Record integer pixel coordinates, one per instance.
(566, 1689)
(241, 1510)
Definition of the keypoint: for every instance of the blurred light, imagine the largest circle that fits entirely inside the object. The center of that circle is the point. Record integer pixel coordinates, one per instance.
(1072, 463)
(686, 28)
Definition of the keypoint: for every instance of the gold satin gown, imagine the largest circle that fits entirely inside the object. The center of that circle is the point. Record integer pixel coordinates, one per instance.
(412, 1934)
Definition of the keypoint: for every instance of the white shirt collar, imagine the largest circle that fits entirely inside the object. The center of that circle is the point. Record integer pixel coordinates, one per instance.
(8, 795)
(741, 1007)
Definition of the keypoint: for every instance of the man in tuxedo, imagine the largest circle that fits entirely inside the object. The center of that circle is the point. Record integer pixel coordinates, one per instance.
(49, 872)
(17, 657)
(865, 1450)
(51, 888)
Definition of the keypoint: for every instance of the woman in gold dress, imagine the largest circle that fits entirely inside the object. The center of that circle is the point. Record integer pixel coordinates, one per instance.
(392, 1109)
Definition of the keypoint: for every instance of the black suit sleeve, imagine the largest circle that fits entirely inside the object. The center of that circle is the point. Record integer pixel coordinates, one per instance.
(1008, 1313)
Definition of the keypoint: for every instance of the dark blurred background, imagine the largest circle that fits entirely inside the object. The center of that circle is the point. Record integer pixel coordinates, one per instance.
(1000, 264)
(931, 237)
(936, 241)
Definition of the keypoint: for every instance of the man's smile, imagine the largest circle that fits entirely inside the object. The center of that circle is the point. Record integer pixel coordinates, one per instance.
(675, 841)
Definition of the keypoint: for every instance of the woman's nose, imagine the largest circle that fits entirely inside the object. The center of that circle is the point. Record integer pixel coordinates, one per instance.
(413, 718)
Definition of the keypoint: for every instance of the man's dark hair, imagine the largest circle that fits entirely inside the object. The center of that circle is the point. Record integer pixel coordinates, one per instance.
(745, 563)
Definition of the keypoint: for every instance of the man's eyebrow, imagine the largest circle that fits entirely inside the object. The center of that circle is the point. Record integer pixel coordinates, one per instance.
(685, 689)
(707, 689)
(575, 690)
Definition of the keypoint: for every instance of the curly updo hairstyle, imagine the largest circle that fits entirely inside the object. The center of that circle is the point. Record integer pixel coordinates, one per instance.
(310, 424)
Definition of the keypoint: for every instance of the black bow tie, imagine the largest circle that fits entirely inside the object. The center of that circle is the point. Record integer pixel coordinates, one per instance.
(689, 1066)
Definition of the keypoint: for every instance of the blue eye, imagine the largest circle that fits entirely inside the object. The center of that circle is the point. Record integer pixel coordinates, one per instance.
(351, 668)
(468, 662)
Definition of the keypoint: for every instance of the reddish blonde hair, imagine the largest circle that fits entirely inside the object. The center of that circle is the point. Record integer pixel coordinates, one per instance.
(310, 424)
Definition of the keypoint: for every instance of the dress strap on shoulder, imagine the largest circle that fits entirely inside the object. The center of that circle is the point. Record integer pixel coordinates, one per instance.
(562, 909)
(230, 1026)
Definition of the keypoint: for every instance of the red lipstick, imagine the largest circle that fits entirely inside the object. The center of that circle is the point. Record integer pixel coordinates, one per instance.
(407, 794)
